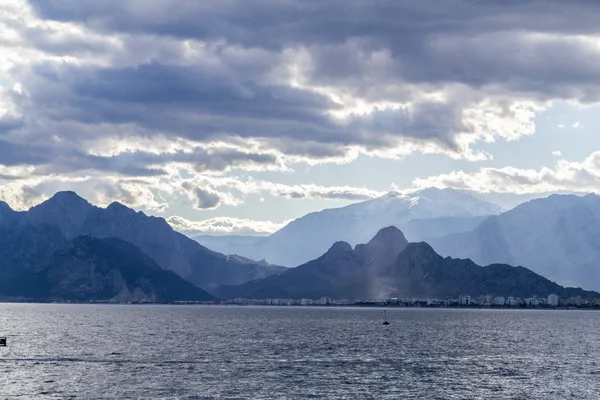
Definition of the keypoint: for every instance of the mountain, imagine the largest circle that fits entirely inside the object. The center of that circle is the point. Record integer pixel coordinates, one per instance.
(8, 217)
(24, 248)
(308, 237)
(230, 244)
(110, 269)
(416, 229)
(558, 237)
(419, 230)
(420, 272)
(339, 272)
(73, 216)
(388, 266)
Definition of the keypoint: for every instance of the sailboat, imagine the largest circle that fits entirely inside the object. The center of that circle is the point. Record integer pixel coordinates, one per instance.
(385, 321)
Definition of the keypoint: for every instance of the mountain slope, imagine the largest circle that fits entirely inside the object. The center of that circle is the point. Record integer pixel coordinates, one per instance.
(308, 237)
(420, 272)
(415, 229)
(230, 244)
(74, 216)
(23, 249)
(102, 269)
(386, 268)
(8, 217)
(339, 272)
(558, 237)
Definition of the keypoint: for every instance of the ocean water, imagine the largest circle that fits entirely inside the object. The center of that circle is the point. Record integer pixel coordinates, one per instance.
(220, 352)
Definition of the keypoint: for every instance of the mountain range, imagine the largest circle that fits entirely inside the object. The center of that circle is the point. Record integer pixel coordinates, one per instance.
(421, 215)
(66, 248)
(389, 266)
(110, 269)
(29, 238)
(557, 236)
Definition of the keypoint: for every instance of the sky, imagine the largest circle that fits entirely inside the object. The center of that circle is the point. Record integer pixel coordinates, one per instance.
(235, 116)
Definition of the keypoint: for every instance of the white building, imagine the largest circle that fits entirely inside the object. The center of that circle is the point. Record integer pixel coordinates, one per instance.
(575, 301)
(499, 301)
(511, 301)
(325, 300)
(553, 300)
(341, 302)
(532, 301)
(465, 300)
(486, 300)
(305, 302)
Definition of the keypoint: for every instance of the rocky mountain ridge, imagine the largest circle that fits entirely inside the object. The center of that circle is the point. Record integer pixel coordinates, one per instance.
(420, 214)
(388, 266)
(557, 237)
(109, 269)
(73, 216)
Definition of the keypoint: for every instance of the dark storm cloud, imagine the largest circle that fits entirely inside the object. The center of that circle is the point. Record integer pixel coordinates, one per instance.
(236, 86)
(8, 124)
(50, 159)
(277, 22)
(206, 199)
(62, 161)
(15, 154)
(184, 101)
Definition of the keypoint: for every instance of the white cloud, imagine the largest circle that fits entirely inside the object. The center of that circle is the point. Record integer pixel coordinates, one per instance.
(248, 185)
(225, 225)
(198, 90)
(302, 89)
(146, 193)
(581, 176)
(557, 153)
(577, 124)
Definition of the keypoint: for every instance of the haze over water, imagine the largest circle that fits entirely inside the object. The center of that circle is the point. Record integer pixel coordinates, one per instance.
(192, 352)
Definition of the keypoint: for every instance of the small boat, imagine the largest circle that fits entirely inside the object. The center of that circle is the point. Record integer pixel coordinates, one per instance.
(385, 321)
(2, 342)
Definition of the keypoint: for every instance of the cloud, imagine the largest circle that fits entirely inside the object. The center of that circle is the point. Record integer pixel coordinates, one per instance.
(247, 186)
(577, 124)
(263, 84)
(204, 71)
(557, 153)
(225, 225)
(581, 176)
(206, 199)
(146, 193)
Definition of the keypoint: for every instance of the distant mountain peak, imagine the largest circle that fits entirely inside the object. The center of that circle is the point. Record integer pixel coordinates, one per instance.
(67, 196)
(393, 194)
(421, 250)
(388, 238)
(339, 247)
(115, 206)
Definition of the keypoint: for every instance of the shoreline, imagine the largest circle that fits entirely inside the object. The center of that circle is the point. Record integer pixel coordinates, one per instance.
(356, 305)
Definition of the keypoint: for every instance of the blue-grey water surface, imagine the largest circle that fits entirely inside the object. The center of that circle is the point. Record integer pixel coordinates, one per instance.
(220, 352)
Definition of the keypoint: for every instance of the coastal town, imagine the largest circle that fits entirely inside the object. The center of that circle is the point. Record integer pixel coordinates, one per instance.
(487, 301)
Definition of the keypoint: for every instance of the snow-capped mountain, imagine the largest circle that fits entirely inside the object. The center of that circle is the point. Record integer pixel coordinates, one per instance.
(435, 211)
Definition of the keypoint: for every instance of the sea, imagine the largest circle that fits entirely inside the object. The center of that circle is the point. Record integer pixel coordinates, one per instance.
(60, 351)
